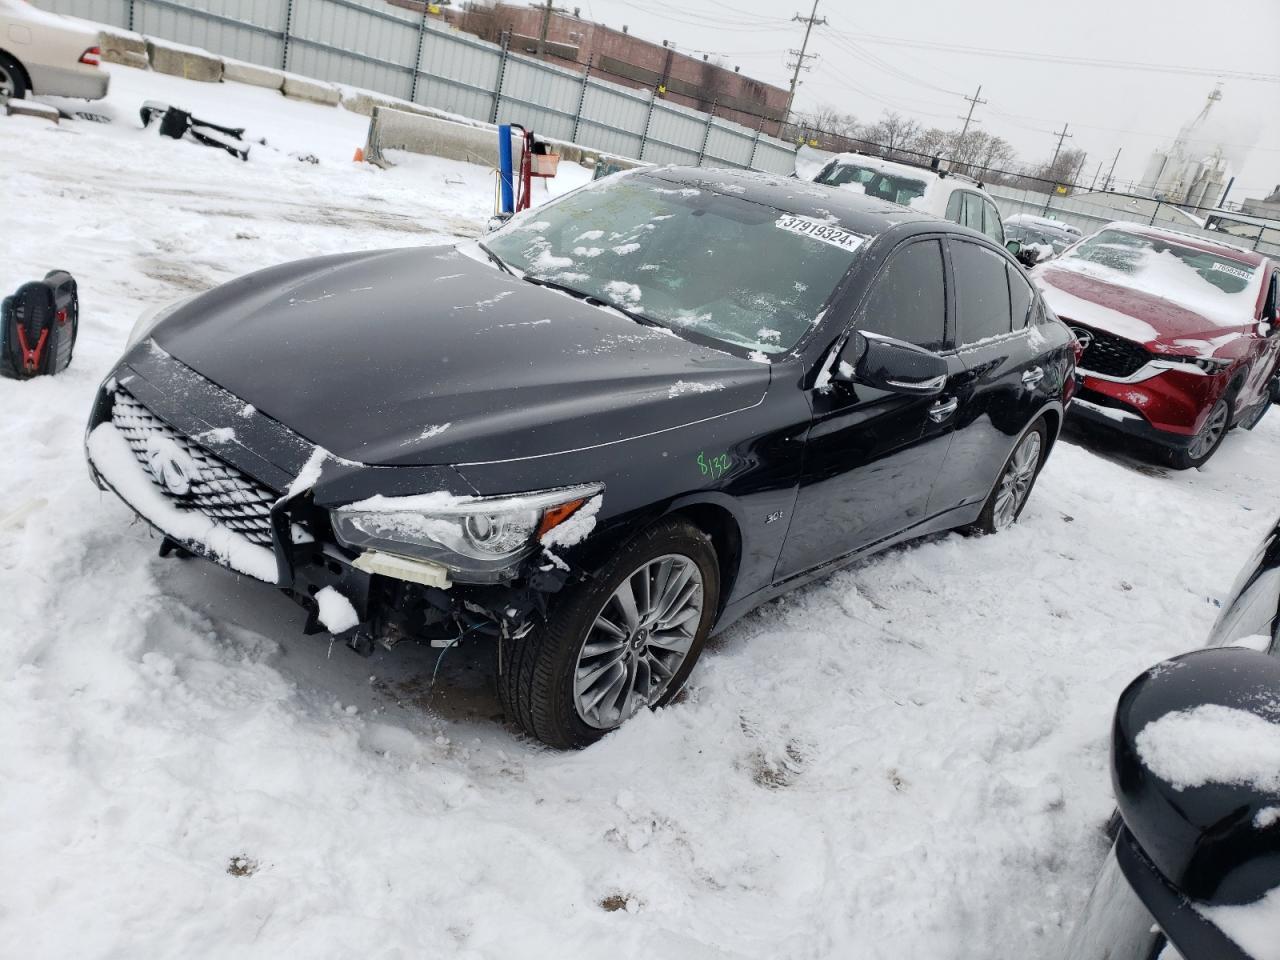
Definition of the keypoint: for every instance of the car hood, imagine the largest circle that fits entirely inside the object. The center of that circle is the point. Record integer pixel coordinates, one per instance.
(1135, 315)
(427, 356)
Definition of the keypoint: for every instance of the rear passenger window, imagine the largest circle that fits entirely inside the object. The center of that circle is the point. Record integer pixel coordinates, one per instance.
(955, 207)
(1021, 296)
(973, 212)
(982, 293)
(908, 301)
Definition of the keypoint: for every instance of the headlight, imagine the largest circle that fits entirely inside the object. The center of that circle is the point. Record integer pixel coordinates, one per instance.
(480, 539)
(151, 318)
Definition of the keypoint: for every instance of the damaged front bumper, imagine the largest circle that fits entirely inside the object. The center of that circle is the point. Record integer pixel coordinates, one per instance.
(220, 480)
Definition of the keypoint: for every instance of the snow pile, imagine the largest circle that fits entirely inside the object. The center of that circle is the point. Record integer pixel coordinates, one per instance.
(335, 610)
(908, 758)
(1212, 744)
(683, 387)
(1255, 927)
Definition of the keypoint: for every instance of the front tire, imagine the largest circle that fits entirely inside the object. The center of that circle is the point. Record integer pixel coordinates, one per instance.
(623, 640)
(1017, 478)
(1205, 443)
(13, 79)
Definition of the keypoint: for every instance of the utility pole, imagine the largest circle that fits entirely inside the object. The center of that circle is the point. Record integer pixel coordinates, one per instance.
(1075, 177)
(1096, 174)
(801, 56)
(1061, 135)
(542, 34)
(973, 102)
(1107, 183)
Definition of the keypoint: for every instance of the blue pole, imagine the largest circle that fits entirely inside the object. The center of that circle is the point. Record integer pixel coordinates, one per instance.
(504, 168)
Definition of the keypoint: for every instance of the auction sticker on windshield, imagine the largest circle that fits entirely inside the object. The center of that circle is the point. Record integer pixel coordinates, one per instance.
(819, 230)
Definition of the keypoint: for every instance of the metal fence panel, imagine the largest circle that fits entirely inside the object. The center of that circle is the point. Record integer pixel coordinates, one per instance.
(458, 73)
(613, 118)
(370, 44)
(728, 144)
(113, 12)
(775, 156)
(541, 97)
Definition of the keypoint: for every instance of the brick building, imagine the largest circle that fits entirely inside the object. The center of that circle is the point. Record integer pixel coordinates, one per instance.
(623, 58)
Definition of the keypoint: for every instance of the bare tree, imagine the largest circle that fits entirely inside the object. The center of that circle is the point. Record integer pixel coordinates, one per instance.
(893, 131)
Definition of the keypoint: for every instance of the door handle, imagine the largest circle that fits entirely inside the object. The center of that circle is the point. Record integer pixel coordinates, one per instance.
(1033, 377)
(943, 409)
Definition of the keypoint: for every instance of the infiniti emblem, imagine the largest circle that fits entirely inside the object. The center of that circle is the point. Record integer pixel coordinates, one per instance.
(1084, 336)
(173, 469)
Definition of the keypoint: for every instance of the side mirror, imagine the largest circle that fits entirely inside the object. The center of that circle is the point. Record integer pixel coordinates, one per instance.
(1193, 768)
(892, 365)
(496, 221)
(1013, 246)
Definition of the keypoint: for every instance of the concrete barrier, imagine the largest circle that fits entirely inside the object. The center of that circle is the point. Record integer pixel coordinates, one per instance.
(237, 71)
(180, 61)
(315, 91)
(120, 46)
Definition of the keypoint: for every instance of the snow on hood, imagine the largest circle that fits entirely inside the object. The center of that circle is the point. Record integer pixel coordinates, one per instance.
(1163, 275)
(1081, 297)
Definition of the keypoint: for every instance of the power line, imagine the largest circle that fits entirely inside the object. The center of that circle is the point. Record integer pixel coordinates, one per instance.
(809, 23)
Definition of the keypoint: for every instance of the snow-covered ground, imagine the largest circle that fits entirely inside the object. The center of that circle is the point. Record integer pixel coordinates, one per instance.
(906, 760)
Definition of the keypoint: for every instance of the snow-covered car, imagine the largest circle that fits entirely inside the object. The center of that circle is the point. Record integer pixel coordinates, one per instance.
(1047, 238)
(43, 53)
(947, 195)
(1181, 334)
(624, 419)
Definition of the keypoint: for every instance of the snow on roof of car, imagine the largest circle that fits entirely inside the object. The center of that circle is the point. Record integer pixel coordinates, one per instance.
(1030, 219)
(863, 215)
(926, 174)
(1222, 286)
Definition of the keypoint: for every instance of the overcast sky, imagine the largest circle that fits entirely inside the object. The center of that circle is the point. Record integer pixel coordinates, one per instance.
(1107, 108)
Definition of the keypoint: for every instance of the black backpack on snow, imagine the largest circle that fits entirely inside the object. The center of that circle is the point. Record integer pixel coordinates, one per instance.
(38, 326)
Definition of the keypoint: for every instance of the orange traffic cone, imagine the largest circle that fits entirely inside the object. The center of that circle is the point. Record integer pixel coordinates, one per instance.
(359, 157)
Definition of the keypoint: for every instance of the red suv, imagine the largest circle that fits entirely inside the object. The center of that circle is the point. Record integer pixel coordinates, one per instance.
(1179, 334)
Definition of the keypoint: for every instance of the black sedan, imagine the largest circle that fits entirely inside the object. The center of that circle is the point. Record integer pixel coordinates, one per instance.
(619, 422)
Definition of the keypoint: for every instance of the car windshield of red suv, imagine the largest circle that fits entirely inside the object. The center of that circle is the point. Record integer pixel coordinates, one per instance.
(1219, 288)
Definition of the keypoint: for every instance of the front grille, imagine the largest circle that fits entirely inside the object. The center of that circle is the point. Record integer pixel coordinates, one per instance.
(202, 482)
(1110, 355)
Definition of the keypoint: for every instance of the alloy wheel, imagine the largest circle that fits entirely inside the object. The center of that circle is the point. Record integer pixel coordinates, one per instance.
(1204, 441)
(1016, 481)
(638, 641)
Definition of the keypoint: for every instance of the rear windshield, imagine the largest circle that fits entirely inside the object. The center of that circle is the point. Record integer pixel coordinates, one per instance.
(1222, 289)
(715, 264)
(874, 183)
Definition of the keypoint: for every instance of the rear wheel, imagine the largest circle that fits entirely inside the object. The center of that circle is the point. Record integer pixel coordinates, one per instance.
(1205, 443)
(622, 641)
(1012, 490)
(13, 79)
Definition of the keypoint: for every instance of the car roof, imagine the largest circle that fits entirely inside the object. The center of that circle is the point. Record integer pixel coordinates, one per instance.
(1031, 220)
(1193, 240)
(855, 212)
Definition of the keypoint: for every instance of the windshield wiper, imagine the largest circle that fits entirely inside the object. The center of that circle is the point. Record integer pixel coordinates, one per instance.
(592, 299)
(496, 260)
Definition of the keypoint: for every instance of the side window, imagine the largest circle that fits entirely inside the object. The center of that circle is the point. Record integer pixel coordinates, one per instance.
(982, 292)
(973, 211)
(955, 207)
(1021, 296)
(908, 300)
(991, 224)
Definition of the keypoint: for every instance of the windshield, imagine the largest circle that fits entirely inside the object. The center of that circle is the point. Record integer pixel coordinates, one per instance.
(1220, 288)
(738, 271)
(1032, 234)
(874, 183)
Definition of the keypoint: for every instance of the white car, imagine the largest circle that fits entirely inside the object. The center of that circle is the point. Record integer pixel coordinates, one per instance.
(950, 196)
(41, 52)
